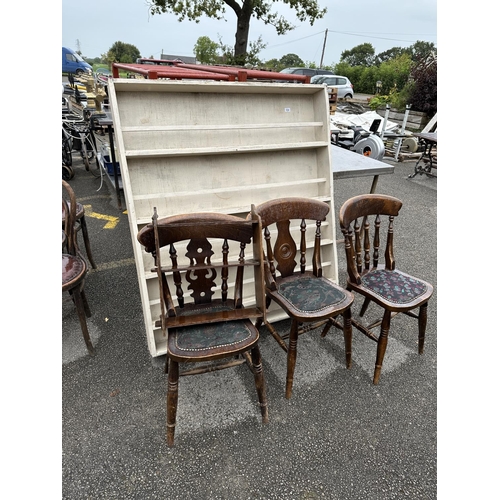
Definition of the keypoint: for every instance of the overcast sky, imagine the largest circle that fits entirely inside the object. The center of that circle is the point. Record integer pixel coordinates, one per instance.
(93, 26)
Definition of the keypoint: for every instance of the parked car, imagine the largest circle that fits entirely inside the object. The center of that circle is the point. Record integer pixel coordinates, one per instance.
(341, 83)
(306, 71)
(318, 78)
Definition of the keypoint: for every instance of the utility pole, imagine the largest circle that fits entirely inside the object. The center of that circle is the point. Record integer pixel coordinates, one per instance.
(323, 53)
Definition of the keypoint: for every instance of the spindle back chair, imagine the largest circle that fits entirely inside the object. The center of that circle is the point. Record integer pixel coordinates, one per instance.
(372, 272)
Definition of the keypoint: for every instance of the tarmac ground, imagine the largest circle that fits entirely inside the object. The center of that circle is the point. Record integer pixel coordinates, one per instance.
(339, 437)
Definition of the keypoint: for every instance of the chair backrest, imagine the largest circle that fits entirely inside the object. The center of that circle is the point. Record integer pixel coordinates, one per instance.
(281, 212)
(205, 265)
(358, 216)
(69, 214)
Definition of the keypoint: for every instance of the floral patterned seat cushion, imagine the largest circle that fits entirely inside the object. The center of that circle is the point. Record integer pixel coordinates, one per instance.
(204, 339)
(394, 286)
(309, 294)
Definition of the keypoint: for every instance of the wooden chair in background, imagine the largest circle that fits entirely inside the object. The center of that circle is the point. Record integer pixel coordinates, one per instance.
(210, 327)
(393, 290)
(81, 225)
(307, 297)
(74, 266)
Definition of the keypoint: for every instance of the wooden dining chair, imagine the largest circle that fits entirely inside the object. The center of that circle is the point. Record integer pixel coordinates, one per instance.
(211, 326)
(74, 266)
(362, 220)
(81, 225)
(308, 298)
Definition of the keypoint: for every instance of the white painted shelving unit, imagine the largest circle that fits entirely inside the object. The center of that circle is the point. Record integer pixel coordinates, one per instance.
(196, 146)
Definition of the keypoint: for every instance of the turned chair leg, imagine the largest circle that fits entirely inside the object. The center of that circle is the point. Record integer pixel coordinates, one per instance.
(86, 241)
(259, 383)
(291, 358)
(422, 325)
(326, 329)
(172, 397)
(348, 337)
(364, 307)
(81, 311)
(85, 304)
(382, 345)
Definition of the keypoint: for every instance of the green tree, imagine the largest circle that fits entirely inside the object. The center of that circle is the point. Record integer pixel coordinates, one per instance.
(273, 65)
(92, 61)
(291, 61)
(389, 54)
(366, 79)
(361, 55)
(245, 10)
(206, 50)
(286, 61)
(256, 46)
(122, 52)
(252, 58)
(422, 50)
(310, 64)
(394, 73)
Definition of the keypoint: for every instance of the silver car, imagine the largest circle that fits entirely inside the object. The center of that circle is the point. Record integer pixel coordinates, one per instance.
(341, 83)
(312, 72)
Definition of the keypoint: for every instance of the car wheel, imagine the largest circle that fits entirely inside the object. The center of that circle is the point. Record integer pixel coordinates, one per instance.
(79, 72)
(348, 96)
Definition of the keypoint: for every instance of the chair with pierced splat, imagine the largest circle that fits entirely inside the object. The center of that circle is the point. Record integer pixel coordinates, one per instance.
(307, 297)
(210, 327)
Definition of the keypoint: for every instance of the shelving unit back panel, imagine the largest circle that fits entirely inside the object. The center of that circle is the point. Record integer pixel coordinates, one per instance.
(221, 182)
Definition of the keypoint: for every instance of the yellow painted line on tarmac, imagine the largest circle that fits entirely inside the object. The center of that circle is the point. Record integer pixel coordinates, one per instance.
(112, 221)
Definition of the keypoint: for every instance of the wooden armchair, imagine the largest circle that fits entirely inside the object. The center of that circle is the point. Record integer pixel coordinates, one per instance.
(308, 298)
(210, 327)
(393, 290)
